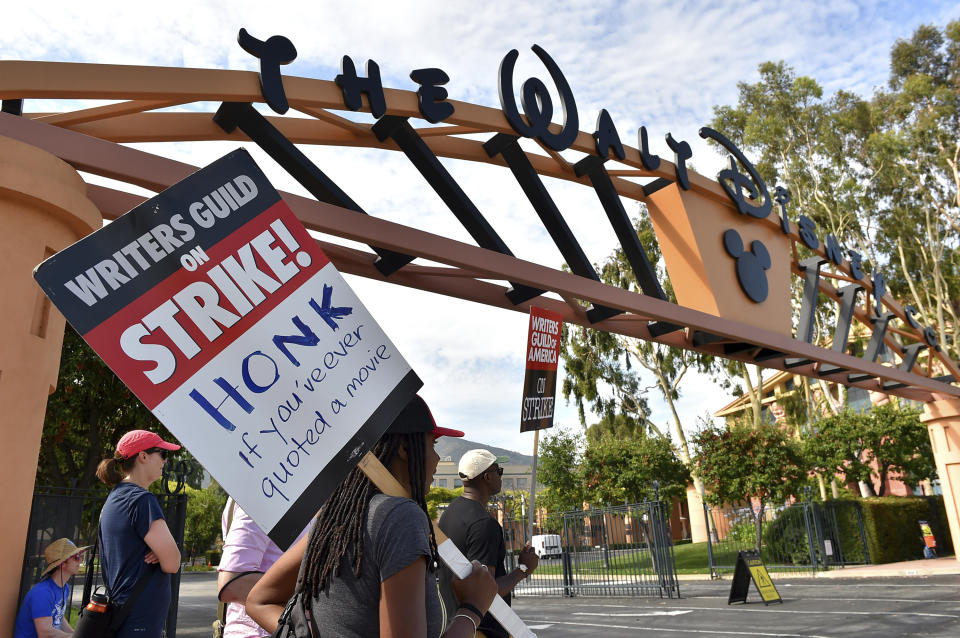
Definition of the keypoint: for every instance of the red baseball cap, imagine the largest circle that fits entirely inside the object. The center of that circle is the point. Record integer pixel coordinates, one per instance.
(136, 441)
(416, 417)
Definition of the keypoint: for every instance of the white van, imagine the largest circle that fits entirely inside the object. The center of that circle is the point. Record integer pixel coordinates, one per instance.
(546, 545)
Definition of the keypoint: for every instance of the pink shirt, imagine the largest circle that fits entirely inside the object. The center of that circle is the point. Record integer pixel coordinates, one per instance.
(245, 548)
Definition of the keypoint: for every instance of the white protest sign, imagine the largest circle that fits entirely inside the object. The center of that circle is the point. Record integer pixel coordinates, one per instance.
(215, 307)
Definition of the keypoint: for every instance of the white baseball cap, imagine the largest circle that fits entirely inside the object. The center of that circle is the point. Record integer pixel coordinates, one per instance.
(475, 462)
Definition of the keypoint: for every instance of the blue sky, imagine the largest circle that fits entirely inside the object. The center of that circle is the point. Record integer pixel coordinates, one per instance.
(663, 65)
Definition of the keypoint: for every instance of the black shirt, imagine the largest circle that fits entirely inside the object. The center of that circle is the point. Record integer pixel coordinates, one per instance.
(480, 537)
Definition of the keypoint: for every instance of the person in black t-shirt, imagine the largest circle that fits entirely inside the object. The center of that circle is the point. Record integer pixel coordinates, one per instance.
(479, 536)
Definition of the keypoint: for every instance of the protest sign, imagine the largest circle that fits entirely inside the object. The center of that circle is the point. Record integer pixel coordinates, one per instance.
(214, 306)
(540, 380)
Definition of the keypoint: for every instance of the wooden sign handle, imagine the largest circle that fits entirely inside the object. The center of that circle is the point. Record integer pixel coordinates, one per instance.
(387, 483)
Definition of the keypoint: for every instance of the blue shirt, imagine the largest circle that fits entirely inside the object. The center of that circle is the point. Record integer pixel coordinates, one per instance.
(124, 522)
(44, 600)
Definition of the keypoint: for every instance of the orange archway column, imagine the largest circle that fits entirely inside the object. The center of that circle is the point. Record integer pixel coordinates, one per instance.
(942, 417)
(43, 209)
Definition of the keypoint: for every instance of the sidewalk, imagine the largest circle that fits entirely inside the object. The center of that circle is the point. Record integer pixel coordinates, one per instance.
(926, 567)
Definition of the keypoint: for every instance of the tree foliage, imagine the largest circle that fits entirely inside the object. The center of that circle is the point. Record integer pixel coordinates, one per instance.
(633, 470)
(607, 470)
(871, 446)
(753, 465)
(882, 174)
(86, 416)
(438, 496)
(558, 470)
(202, 527)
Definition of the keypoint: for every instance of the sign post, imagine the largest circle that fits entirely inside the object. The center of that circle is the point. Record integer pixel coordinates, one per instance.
(214, 305)
(539, 386)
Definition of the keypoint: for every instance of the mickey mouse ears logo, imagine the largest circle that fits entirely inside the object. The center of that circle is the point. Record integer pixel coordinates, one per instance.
(751, 266)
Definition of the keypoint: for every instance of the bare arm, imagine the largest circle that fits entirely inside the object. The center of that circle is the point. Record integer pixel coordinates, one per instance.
(162, 546)
(403, 608)
(507, 582)
(45, 628)
(234, 587)
(402, 603)
(268, 597)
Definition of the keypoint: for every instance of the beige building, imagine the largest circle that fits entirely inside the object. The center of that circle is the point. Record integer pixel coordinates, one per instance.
(515, 477)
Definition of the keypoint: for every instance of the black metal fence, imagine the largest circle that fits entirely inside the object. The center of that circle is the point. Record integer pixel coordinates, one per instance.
(74, 513)
(626, 550)
(802, 538)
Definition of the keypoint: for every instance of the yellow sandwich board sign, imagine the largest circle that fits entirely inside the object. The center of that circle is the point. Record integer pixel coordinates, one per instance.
(750, 566)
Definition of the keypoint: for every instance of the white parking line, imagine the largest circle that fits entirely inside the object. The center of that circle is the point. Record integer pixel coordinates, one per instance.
(768, 610)
(679, 631)
(675, 612)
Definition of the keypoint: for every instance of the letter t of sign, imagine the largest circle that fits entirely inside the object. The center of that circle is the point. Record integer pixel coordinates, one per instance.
(277, 50)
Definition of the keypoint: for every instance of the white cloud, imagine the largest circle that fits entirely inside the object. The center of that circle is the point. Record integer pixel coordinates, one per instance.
(659, 64)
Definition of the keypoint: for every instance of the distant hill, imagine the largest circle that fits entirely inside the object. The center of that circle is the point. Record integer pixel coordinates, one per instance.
(455, 448)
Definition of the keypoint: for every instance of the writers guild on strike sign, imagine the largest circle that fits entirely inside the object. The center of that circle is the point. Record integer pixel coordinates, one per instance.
(540, 381)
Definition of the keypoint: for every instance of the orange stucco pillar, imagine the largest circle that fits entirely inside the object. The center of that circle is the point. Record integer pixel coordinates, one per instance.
(43, 209)
(942, 417)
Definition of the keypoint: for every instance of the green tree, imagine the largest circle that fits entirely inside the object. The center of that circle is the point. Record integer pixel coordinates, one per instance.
(917, 215)
(202, 527)
(624, 470)
(755, 465)
(881, 174)
(438, 496)
(559, 471)
(871, 446)
(86, 416)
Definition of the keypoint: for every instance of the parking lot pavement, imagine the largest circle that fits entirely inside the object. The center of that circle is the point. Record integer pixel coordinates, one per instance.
(928, 607)
(812, 608)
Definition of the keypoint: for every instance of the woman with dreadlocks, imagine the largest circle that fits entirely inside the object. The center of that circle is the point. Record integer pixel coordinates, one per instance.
(368, 563)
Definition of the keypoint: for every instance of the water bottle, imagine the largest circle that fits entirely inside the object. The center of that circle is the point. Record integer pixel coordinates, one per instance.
(95, 618)
(98, 603)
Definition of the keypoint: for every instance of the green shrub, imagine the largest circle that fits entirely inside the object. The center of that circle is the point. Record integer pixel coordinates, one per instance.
(785, 538)
(893, 533)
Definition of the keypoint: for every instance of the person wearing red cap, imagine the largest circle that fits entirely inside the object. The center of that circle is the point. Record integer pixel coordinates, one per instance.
(368, 563)
(134, 536)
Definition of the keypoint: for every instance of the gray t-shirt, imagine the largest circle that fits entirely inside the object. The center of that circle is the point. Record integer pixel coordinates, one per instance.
(397, 534)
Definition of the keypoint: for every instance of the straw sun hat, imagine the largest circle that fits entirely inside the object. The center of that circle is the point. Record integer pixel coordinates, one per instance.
(59, 551)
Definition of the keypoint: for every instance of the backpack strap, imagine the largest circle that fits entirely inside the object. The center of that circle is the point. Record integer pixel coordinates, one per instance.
(121, 613)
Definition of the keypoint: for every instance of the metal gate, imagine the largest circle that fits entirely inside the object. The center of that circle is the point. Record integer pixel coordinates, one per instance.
(626, 550)
(802, 538)
(59, 512)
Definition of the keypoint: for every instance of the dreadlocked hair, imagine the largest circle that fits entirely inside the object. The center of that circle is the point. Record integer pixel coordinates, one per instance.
(339, 529)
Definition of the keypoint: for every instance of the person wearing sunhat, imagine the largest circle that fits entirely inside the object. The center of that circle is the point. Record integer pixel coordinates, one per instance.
(42, 613)
(479, 536)
(368, 561)
(134, 536)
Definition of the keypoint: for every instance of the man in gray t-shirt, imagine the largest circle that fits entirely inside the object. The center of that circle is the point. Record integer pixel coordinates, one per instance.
(397, 533)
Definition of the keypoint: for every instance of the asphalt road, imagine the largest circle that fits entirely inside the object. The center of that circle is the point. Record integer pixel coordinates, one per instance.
(812, 608)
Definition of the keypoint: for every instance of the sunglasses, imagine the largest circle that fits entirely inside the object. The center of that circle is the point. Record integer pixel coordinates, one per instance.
(158, 450)
(77, 556)
(499, 471)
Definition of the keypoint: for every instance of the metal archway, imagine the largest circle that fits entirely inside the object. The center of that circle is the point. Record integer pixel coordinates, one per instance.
(91, 140)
